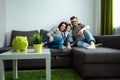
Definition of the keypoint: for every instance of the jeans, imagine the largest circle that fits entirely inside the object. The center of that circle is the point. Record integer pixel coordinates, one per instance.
(67, 39)
(57, 43)
(85, 42)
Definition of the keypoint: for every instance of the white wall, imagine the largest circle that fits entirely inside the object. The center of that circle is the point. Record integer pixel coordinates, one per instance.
(2, 22)
(97, 17)
(44, 14)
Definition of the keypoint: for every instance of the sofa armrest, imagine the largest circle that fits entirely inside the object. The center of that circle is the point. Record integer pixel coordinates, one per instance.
(4, 49)
(111, 41)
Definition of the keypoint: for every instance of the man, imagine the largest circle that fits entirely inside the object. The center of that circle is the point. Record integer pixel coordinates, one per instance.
(81, 34)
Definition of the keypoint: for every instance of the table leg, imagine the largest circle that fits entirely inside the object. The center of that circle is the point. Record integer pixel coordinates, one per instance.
(48, 69)
(2, 72)
(15, 70)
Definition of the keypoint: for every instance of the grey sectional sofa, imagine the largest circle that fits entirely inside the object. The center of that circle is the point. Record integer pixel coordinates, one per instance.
(102, 63)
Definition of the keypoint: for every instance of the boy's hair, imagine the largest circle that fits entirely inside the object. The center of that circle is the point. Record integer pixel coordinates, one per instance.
(73, 17)
(69, 25)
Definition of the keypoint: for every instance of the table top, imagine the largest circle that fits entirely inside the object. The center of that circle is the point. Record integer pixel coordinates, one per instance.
(30, 54)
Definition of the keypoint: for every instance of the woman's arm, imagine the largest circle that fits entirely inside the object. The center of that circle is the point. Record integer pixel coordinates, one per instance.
(50, 33)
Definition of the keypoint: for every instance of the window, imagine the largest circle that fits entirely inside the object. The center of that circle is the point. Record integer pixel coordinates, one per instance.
(116, 13)
(116, 16)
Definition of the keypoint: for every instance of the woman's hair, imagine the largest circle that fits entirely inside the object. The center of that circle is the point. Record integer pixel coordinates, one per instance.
(63, 23)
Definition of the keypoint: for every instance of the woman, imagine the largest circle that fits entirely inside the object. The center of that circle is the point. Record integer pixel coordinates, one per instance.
(56, 37)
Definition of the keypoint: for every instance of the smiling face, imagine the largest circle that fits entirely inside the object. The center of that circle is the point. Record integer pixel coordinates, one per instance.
(68, 28)
(62, 27)
(74, 22)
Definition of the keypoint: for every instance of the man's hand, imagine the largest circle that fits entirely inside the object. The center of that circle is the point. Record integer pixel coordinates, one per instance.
(50, 38)
(82, 30)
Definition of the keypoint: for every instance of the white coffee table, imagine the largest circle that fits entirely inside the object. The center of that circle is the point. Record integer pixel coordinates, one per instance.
(14, 56)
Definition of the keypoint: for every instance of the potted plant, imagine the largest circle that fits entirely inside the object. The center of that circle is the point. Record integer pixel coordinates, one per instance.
(37, 42)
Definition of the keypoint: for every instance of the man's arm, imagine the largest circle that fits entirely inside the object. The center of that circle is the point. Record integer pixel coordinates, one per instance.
(85, 27)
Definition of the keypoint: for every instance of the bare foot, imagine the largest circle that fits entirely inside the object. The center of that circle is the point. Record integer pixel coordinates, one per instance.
(68, 46)
(92, 45)
(99, 44)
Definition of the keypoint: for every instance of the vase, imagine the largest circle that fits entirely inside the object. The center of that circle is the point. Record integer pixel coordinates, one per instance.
(37, 48)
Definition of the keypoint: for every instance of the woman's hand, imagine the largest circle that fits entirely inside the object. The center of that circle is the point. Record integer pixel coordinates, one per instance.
(57, 29)
(50, 38)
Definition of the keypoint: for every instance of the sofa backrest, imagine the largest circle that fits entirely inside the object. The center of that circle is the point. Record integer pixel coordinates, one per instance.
(29, 35)
(111, 41)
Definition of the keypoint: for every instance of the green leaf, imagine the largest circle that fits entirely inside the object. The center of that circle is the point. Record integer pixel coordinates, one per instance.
(37, 38)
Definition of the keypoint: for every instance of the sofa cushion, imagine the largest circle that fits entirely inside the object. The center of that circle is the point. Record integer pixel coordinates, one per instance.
(100, 54)
(57, 52)
(29, 35)
(60, 58)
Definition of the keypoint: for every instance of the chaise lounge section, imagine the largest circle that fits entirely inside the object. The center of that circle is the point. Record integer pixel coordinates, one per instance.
(100, 63)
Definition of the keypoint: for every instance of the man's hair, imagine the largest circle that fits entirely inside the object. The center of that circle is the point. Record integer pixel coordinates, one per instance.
(73, 17)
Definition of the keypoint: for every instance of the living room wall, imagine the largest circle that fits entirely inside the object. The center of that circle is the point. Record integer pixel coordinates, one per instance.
(44, 14)
(2, 22)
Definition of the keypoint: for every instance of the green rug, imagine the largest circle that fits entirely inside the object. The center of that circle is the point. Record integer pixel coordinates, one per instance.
(56, 74)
